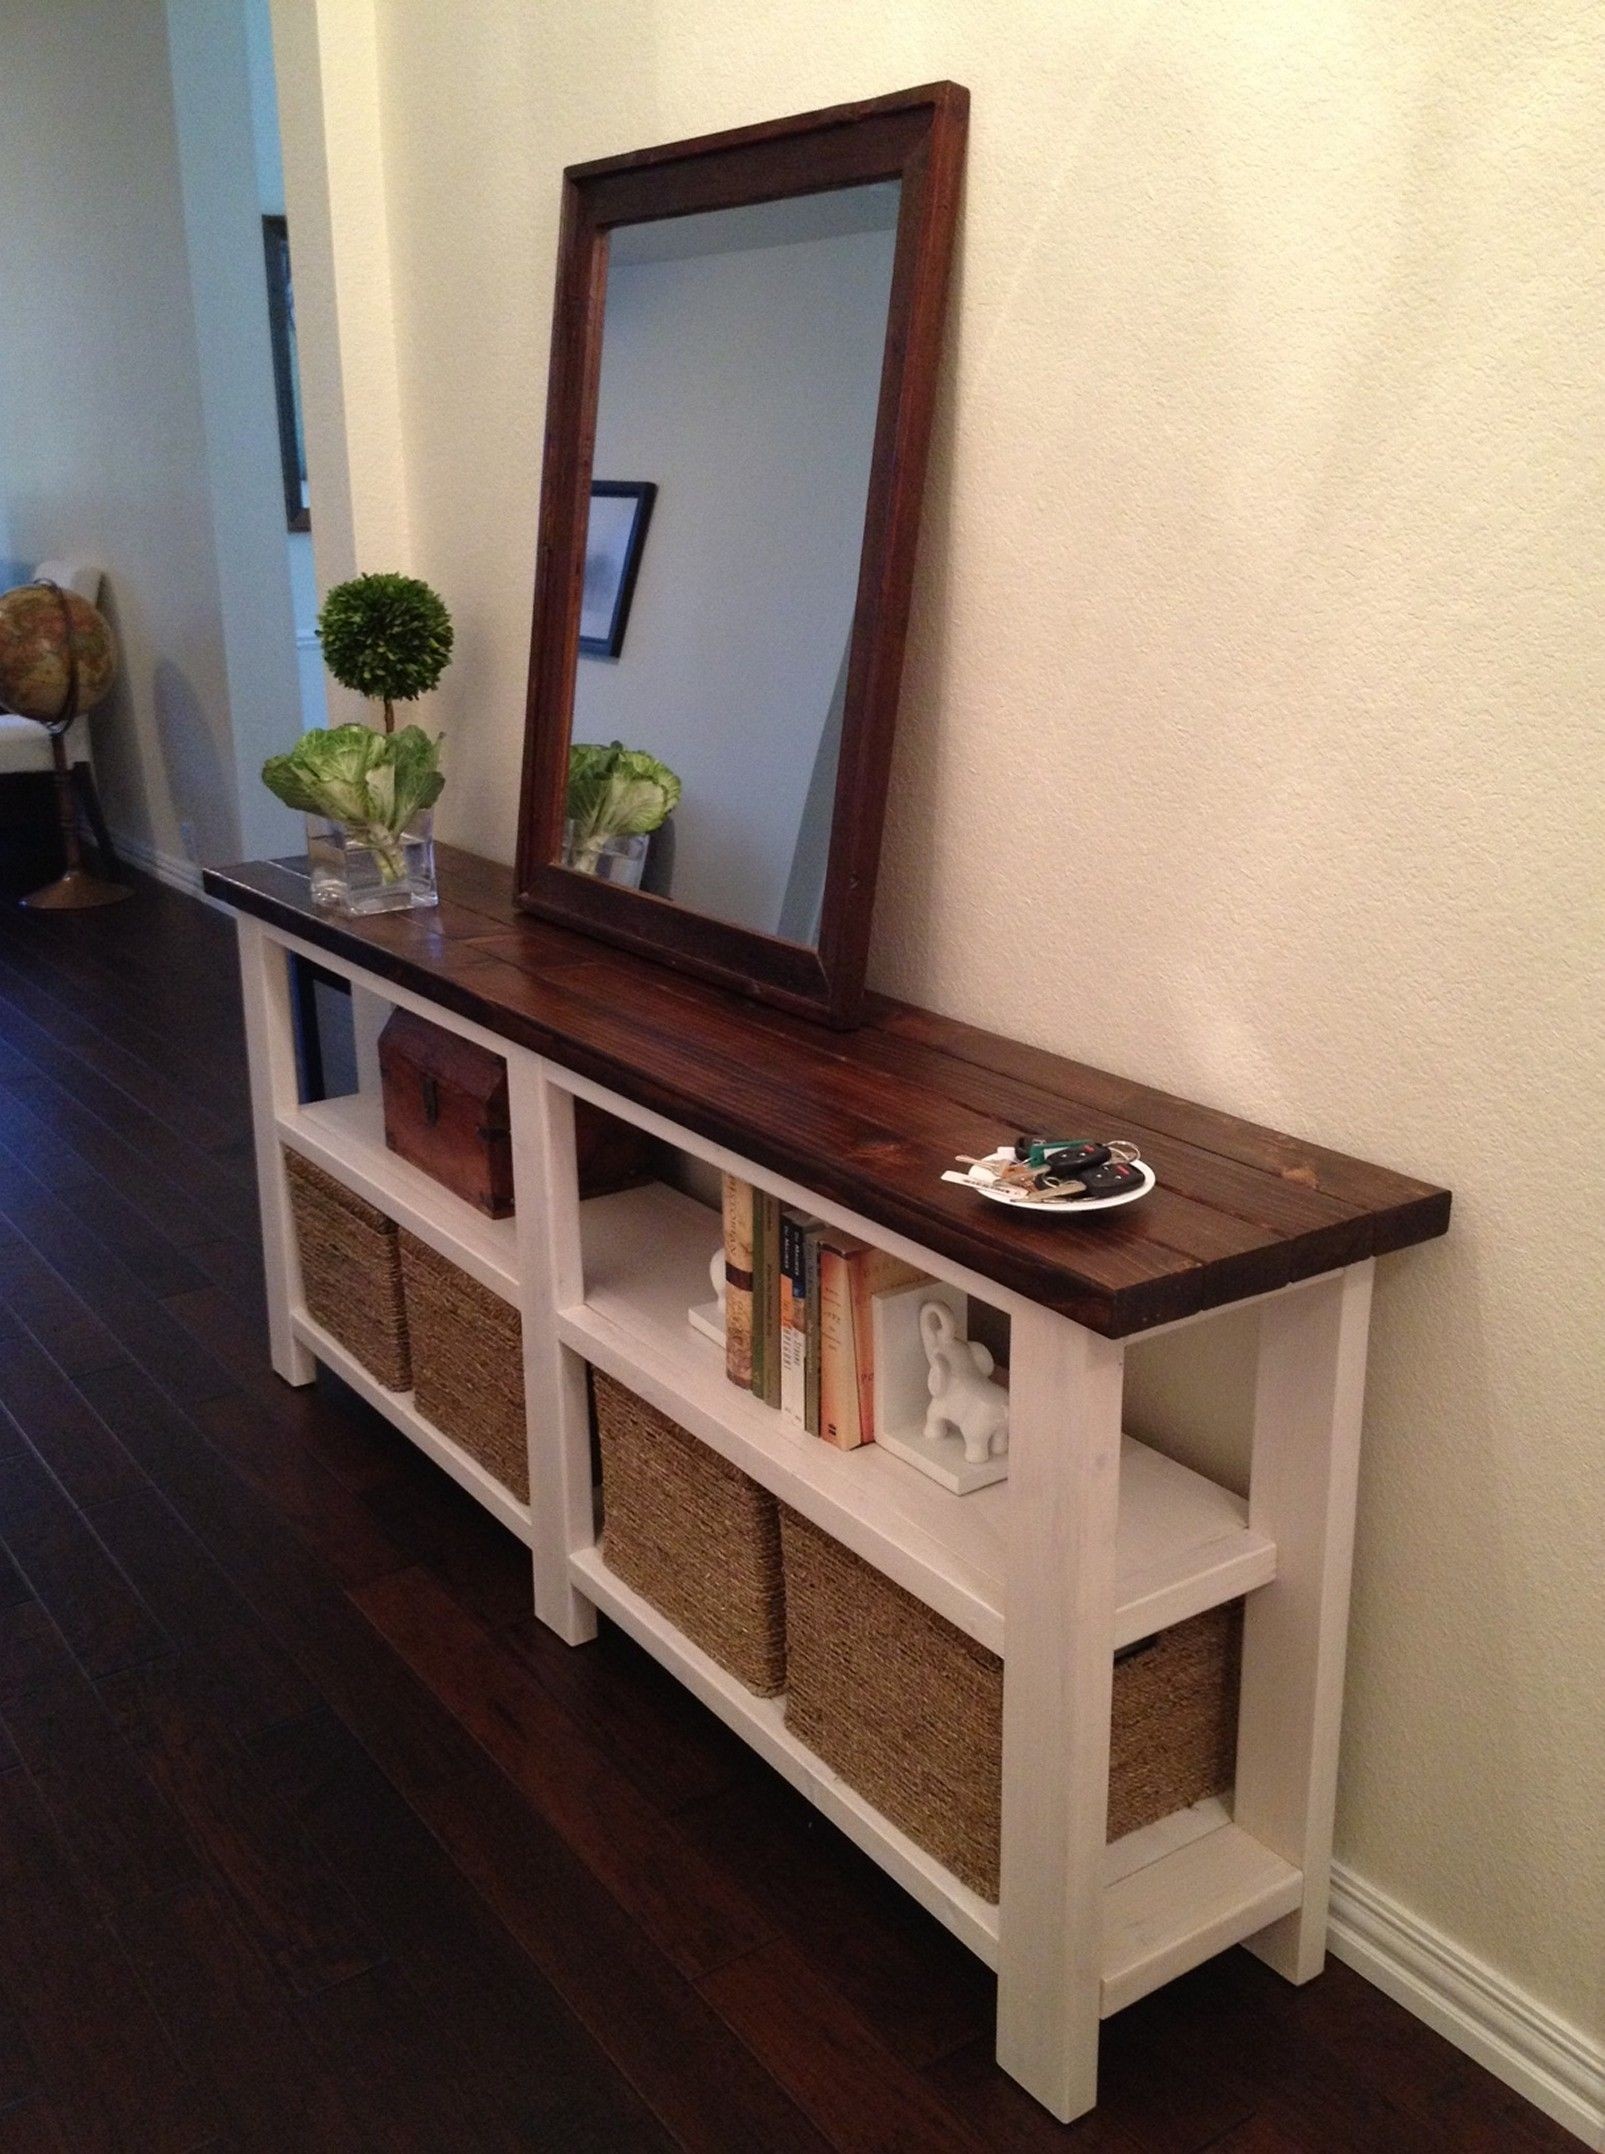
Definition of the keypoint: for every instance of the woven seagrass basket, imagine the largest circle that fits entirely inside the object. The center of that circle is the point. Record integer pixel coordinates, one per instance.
(467, 1363)
(693, 1535)
(350, 1271)
(909, 1709)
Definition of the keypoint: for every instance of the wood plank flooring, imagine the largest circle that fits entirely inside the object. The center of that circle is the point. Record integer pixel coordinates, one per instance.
(310, 1838)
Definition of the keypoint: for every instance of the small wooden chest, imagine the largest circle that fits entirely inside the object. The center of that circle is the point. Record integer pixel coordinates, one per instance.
(446, 1111)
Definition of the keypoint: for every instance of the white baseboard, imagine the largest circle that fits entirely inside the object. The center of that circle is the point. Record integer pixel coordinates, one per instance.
(174, 869)
(1556, 2066)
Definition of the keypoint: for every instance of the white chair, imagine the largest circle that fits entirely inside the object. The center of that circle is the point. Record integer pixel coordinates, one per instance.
(25, 746)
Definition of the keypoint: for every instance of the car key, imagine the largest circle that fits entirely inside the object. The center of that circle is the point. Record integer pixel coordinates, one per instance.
(1112, 1179)
(1060, 1152)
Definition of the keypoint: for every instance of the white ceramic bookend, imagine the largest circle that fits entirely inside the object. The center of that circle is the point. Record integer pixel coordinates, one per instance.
(964, 1400)
(708, 1316)
(909, 1422)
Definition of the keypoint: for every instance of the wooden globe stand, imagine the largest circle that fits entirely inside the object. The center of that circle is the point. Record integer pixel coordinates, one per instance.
(76, 890)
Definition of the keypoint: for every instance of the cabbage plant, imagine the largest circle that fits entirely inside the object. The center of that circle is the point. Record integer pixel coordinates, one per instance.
(371, 783)
(614, 792)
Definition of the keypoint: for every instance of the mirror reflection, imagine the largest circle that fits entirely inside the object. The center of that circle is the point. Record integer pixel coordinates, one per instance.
(741, 365)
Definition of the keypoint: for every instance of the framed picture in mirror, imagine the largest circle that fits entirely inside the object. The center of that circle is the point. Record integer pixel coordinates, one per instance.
(756, 319)
(614, 536)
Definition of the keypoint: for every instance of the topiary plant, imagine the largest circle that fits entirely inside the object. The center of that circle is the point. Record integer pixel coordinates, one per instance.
(386, 636)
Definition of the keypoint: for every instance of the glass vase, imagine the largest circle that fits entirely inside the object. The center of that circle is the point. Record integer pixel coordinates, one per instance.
(610, 860)
(349, 874)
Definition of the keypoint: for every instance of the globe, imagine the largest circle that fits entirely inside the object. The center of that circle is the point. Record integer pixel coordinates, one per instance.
(43, 630)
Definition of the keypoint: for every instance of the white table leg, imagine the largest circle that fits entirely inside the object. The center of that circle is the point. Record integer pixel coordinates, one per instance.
(1064, 1494)
(270, 1050)
(369, 1013)
(1307, 1407)
(557, 1410)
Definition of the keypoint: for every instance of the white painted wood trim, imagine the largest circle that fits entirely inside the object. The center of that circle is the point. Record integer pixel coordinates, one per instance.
(1064, 1493)
(174, 869)
(270, 1054)
(1308, 1399)
(556, 1400)
(1551, 2063)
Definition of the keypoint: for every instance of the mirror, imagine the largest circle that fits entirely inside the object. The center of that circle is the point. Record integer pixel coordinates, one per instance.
(743, 364)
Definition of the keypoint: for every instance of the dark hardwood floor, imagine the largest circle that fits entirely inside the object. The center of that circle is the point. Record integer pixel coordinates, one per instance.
(309, 1838)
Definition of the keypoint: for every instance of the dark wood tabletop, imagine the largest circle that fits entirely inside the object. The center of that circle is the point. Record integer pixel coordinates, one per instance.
(871, 1118)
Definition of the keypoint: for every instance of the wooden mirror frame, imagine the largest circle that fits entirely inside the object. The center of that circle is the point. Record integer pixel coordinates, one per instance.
(917, 138)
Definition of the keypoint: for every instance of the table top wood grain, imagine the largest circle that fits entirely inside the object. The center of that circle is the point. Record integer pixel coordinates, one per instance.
(872, 1118)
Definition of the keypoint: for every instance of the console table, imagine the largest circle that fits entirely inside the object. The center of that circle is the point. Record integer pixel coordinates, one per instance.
(1089, 1544)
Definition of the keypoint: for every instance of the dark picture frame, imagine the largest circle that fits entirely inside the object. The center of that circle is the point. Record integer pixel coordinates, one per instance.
(915, 137)
(286, 374)
(612, 565)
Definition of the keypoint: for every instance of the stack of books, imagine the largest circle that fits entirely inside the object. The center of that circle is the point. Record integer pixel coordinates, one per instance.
(798, 1330)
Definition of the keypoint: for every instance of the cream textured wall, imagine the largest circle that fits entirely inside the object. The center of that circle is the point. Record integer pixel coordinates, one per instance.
(1266, 485)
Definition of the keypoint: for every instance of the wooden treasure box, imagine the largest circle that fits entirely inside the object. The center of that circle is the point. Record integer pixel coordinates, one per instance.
(445, 1101)
(446, 1110)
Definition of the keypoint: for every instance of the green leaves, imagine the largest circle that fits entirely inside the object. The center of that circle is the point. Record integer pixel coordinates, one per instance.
(373, 783)
(386, 636)
(614, 792)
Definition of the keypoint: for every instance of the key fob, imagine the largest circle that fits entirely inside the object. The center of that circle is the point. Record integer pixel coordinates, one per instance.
(1112, 1179)
(1066, 1152)
(1073, 1157)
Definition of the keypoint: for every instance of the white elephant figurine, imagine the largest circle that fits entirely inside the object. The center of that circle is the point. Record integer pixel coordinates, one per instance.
(964, 1400)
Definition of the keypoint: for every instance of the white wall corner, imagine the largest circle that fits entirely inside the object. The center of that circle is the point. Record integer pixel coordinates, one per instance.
(213, 108)
(1556, 2066)
(326, 59)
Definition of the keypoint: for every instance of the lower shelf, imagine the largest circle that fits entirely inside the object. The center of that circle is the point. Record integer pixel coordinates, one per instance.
(398, 1409)
(1188, 1905)
(1178, 1891)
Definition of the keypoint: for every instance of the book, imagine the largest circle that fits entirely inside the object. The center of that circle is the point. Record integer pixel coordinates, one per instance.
(851, 1272)
(794, 1226)
(810, 1251)
(756, 1378)
(870, 1273)
(766, 1297)
(738, 1281)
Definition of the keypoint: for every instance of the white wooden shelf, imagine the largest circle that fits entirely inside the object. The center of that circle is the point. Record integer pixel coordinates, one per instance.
(398, 1409)
(346, 1138)
(1191, 1903)
(1184, 1543)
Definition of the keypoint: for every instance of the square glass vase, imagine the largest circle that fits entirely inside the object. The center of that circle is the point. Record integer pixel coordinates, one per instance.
(619, 860)
(351, 875)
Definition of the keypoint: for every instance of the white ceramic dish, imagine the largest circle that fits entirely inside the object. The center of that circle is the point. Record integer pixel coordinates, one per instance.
(1059, 1208)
